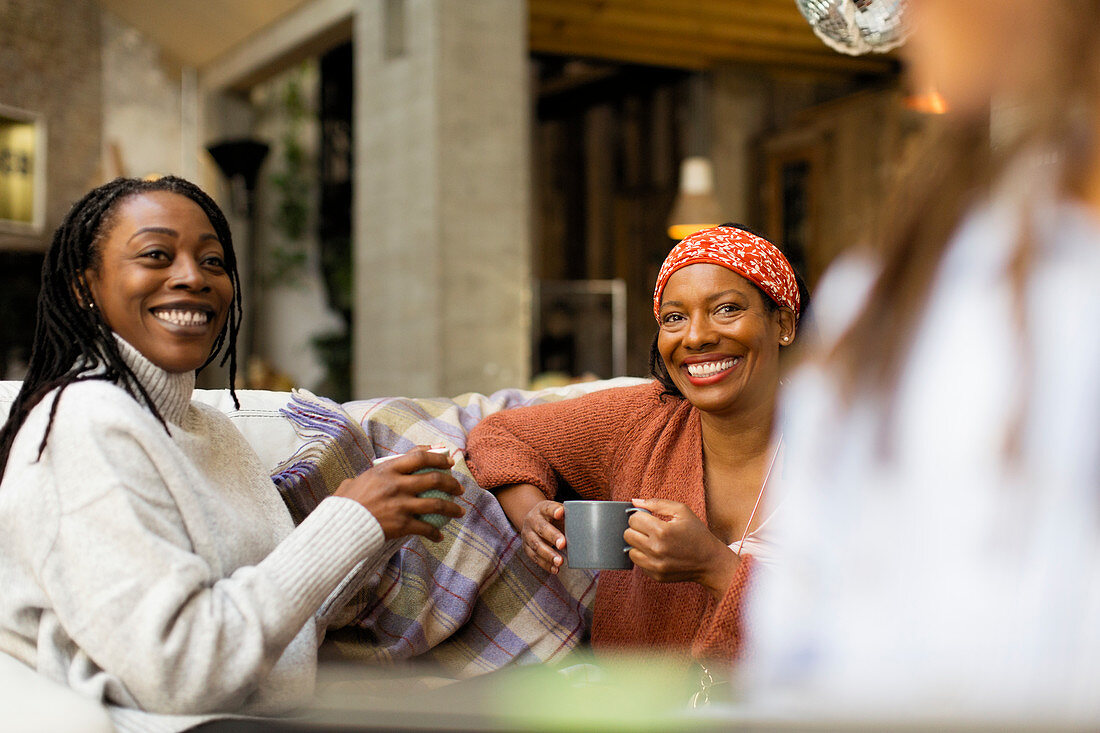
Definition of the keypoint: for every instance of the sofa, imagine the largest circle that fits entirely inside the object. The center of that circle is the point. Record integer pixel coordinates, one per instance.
(284, 442)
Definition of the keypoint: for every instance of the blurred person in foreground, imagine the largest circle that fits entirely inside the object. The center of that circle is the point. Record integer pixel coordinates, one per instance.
(940, 532)
(146, 558)
(695, 447)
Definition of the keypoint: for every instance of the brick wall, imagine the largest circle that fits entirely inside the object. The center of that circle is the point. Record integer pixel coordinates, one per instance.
(50, 64)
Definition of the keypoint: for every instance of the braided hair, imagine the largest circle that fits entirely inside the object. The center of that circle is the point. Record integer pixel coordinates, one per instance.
(72, 342)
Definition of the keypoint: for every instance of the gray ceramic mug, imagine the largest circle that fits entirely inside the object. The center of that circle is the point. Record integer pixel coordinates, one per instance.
(594, 534)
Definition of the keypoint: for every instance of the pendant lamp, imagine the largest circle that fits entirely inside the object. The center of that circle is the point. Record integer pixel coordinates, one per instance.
(696, 207)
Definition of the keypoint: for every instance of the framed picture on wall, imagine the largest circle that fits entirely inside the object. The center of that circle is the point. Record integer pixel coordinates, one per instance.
(22, 173)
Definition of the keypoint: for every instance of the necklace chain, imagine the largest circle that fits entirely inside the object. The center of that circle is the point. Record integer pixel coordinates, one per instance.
(759, 494)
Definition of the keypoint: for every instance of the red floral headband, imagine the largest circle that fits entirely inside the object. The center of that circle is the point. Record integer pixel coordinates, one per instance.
(750, 256)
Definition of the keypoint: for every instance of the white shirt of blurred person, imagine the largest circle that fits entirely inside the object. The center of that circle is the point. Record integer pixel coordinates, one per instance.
(940, 534)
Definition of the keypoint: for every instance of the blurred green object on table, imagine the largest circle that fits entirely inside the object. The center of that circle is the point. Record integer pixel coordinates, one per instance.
(624, 693)
(642, 693)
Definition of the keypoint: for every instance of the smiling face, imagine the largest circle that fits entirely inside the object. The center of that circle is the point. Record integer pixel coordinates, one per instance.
(160, 280)
(720, 340)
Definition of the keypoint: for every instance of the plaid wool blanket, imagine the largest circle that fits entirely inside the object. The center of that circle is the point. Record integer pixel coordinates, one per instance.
(473, 602)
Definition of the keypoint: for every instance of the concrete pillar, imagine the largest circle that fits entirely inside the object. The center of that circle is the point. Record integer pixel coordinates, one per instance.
(740, 106)
(441, 221)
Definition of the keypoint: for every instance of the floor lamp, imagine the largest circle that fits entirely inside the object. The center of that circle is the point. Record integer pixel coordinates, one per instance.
(240, 161)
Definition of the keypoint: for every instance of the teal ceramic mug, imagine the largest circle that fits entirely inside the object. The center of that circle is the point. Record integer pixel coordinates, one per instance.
(436, 520)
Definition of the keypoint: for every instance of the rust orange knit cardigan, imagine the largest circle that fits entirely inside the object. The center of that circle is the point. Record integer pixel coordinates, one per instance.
(620, 444)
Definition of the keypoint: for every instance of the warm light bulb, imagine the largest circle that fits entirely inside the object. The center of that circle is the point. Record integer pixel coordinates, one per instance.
(930, 102)
(679, 231)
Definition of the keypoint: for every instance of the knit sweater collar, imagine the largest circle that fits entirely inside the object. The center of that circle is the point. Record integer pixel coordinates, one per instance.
(171, 393)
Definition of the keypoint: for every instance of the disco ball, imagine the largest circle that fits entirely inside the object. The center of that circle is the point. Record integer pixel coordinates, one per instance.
(857, 26)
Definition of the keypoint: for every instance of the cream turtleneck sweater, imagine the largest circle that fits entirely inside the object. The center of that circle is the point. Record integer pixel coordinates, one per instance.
(160, 571)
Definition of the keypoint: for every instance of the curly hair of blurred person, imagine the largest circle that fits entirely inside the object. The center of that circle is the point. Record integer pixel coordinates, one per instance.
(72, 342)
(1053, 102)
(940, 491)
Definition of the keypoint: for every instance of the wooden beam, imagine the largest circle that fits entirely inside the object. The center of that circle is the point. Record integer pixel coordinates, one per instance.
(613, 18)
(751, 11)
(723, 13)
(552, 36)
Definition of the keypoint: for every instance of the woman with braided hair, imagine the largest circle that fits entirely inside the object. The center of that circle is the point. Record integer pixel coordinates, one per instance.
(69, 340)
(146, 558)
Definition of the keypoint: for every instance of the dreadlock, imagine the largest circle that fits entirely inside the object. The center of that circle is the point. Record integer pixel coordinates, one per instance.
(72, 342)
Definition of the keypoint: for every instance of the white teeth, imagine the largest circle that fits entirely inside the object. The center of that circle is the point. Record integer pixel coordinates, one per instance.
(184, 318)
(709, 368)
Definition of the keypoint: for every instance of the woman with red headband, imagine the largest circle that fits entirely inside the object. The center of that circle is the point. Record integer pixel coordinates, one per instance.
(695, 448)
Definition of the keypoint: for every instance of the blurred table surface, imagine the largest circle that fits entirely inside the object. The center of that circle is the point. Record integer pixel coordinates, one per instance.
(632, 695)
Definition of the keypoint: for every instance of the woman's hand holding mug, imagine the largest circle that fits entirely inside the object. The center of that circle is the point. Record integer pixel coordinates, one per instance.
(391, 491)
(676, 546)
(544, 534)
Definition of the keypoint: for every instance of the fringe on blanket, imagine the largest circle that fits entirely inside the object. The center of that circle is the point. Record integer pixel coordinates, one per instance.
(334, 448)
(472, 602)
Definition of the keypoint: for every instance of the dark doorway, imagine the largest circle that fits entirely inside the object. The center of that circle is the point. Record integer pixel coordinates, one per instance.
(334, 223)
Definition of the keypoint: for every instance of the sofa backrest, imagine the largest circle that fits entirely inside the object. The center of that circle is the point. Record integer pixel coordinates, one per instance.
(274, 439)
(270, 434)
